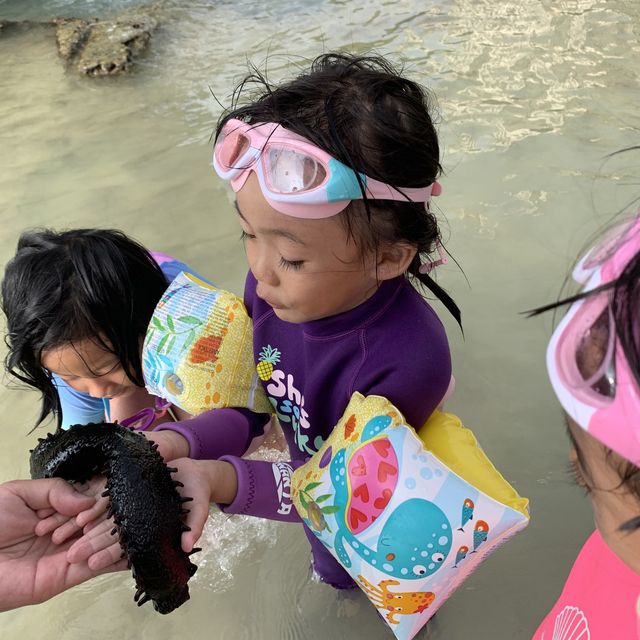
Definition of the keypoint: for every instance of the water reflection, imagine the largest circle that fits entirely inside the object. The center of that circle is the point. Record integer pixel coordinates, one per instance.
(531, 96)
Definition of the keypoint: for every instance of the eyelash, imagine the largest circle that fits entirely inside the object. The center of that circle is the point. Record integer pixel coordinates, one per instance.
(291, 264)
(95, 375)
(578, 477)
(284, 263)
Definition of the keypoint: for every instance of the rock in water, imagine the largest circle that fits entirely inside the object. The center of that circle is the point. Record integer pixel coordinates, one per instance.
(103, 47)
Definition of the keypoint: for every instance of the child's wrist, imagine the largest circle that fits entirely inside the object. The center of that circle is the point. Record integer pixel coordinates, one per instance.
(223, 481)
(171, 444)
(178, 443)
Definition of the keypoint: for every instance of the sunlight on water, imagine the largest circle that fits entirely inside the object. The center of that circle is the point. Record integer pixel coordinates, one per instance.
(36, 10)
(531, 97)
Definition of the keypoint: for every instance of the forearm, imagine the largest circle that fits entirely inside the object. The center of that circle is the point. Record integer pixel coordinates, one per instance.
(218, 432)
(262, 489)
(250, 487)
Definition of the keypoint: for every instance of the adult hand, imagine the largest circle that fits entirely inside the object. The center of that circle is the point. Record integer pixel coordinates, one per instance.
(63, 527)
(33, 568)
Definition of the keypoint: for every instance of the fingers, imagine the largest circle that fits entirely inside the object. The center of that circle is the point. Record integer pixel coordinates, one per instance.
(93, 487)
(45, 513)
(60, 527)
(68, 501)
(100, 507)
(106, 558)
(50, 522)
(65, 532)
(193, 476)
(80, 572)
(50, 493)
(96, 523)
(98, 547)
(195, 520)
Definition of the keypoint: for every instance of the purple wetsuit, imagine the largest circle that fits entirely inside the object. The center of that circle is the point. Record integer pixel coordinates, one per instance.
(392, 345)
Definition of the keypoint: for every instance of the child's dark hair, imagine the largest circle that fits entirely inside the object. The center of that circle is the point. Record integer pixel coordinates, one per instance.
(365, 114)
(64, 287)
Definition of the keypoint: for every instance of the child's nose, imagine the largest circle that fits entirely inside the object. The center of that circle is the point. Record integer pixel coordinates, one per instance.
(96, 389)
(263, 270)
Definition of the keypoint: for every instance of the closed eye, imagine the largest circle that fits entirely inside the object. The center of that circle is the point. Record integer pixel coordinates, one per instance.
(246, 236)
(578, 477)
(99, 373)
(291, 264)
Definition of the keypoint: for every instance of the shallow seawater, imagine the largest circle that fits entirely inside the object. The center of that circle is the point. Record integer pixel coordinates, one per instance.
(532, 97)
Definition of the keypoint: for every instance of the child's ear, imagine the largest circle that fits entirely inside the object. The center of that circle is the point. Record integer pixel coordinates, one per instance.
(394, 260)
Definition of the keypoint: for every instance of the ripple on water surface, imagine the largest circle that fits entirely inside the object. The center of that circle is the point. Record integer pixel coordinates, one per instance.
(531, 95)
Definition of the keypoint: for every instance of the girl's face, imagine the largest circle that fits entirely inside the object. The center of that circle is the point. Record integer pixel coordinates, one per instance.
(597, 472)
(306, 269)
(87, 367)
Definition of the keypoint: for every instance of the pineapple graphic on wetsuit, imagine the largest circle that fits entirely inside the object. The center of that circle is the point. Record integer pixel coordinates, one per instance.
(269, 356)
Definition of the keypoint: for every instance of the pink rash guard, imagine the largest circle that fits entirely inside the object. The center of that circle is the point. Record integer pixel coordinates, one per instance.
(598, 601)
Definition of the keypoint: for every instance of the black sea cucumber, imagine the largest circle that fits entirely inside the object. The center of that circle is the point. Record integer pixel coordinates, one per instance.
(146, 507)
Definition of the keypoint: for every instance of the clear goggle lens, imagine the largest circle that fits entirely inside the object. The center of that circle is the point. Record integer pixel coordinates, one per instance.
(231, 148)
(289, 171)
(595, 355)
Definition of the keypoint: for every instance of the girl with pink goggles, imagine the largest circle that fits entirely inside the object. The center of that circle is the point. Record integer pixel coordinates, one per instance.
(296, 177)
(585, 358)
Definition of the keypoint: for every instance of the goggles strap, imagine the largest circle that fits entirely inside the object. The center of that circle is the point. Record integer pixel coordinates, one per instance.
(144, 418)
(427, 267)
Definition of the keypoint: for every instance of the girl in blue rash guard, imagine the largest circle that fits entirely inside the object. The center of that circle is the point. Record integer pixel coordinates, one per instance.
(77, 305)
(79, 407)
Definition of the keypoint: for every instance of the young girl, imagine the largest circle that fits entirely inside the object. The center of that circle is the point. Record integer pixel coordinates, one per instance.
(333, 174)
(77, 305)
(594, 365)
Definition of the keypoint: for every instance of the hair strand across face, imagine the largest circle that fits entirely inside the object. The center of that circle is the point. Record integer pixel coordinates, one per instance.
(61, 288)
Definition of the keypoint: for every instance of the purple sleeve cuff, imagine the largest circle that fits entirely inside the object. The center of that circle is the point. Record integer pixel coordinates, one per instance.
(264, 489)
(219, 432)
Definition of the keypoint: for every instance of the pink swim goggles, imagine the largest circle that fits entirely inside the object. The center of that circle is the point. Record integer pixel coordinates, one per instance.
(296, 177)
(585, 359)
